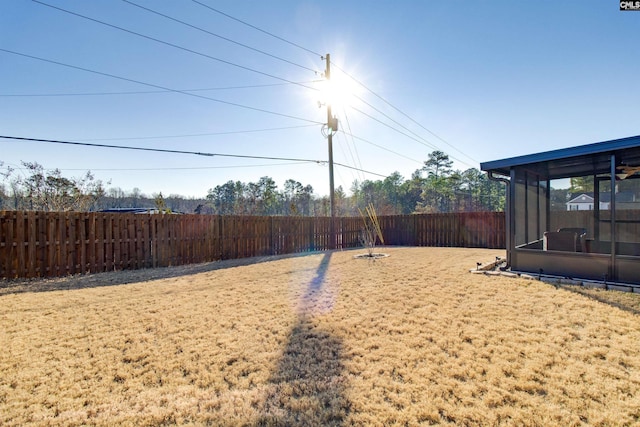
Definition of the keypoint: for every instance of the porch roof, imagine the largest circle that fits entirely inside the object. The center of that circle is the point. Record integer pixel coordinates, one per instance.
(503, 166)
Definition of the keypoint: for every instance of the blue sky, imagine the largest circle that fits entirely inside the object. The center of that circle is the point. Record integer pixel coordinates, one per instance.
(492, 79)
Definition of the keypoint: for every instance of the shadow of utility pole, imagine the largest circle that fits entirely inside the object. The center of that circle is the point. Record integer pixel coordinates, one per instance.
(308, 386)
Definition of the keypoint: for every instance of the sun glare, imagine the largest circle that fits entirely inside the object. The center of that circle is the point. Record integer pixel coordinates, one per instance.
(339, 92)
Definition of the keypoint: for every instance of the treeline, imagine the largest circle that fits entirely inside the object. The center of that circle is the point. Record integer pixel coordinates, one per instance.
(435, 187)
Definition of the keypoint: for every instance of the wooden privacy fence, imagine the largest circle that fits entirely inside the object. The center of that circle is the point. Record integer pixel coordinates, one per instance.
(49, 244)
(466, 230)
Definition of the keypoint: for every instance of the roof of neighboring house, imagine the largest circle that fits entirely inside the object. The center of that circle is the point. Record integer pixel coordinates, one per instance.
(503, 166)
(605, 197)
(582, 198)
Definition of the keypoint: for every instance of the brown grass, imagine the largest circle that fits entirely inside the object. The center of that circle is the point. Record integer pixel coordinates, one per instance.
(322, 339)
(624, 300)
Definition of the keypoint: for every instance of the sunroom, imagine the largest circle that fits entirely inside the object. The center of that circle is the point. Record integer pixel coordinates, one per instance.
(547, 234)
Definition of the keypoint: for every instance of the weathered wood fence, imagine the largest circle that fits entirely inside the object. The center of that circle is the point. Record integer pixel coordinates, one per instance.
(49, 244)
(466, 230)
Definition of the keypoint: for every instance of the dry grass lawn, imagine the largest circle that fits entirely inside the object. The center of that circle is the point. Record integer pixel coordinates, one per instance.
(321, 339)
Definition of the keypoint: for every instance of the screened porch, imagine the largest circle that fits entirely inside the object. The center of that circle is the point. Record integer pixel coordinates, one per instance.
(575, 212)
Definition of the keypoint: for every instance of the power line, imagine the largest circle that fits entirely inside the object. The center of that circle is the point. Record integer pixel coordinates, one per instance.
(359, 163)
(220, 37)
(341, 147)
(381, 147)
(197, 153)
(340, 178)
(200, 53)
(183, 168)
(360, 170)
(218, 59)
(191, 135)
(425, 143)
(169, 44)
(157, 86)
(406, 115)
(394, 129)
(362, 100)
(144, 92)
(213, 167)
(418, 140)
(256, 28)
(158, 150)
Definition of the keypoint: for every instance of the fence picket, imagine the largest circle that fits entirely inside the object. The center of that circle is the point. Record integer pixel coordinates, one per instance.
(31, 243)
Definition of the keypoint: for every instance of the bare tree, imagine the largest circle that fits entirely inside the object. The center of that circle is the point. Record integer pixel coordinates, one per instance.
(48, 190)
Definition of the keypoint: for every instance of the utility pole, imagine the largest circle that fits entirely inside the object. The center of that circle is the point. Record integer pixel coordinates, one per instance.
(331, 129)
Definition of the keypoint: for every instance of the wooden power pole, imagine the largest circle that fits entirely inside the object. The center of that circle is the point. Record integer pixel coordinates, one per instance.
(331, 129)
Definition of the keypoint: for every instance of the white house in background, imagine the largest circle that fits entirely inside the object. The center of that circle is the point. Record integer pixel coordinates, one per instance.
(584, 202)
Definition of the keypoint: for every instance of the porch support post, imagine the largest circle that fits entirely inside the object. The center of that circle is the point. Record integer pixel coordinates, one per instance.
(612, 210)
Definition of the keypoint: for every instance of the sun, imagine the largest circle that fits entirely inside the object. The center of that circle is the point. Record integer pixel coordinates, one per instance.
(340, 92)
